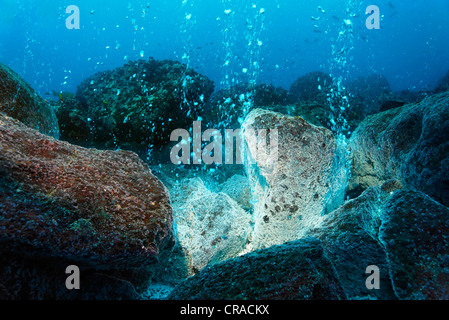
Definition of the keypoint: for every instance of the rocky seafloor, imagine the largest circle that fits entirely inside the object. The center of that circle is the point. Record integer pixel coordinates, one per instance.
(86, 180)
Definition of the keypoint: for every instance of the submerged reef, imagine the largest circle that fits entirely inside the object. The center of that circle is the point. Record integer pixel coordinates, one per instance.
(20, 101)
(304, 222)
(228, 107)
(136, 106)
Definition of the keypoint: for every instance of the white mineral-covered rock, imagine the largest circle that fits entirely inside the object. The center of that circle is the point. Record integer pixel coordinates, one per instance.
(210, 226)
(294, 187)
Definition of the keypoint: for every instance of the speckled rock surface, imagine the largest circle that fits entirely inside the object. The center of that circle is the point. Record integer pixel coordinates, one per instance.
(350, 239)
(20, 101)
(103, 210)
(136, 106)
(294, 270)
(415, 234)
(409, 143)
(210, 226)
(295, 187)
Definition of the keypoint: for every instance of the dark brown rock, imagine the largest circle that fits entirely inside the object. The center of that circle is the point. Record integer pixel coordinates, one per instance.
(292, 271)
(408, 143)
(415, 234)
(62, 204)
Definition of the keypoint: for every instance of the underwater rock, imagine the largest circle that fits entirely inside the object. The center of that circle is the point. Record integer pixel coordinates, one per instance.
(390, 100)
(227, 107)
(415, 234)
(443, 84)
(43, 278)
(20, 101)
(210, 226)
(296, 270)
(74, 126)
(349, 236)
(313, 93)
(100, 210)
(138, 105)
(409, 143)
(238, 188)
(367, 91)
(312, 87)
(293, 187)
(367, 161)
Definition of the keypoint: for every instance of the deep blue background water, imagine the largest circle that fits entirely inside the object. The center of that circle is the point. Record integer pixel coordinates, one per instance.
(411, 49)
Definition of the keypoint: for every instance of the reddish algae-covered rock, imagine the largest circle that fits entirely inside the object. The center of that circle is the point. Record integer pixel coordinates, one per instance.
(103, 208)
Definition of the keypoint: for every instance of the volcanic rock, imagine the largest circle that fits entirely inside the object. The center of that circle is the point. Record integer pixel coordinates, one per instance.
(291, 271)
(296, 175)
(100, 210)
(408, 143)
(20, 101)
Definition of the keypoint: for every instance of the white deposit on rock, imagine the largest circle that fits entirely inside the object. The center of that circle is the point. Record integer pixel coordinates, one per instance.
(291, 189)
(238, 188)
(211, 227)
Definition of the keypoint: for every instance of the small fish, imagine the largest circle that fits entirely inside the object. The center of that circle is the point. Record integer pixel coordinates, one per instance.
(342, 51)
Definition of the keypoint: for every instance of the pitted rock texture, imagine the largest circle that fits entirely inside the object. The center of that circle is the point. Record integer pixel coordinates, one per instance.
(20, 101)
(210, 226)
(293, 187)
(104, 208)
(409, 143)
(296, 270)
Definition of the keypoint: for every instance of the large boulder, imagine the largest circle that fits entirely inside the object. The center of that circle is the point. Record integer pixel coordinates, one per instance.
(443, 84)
(238, 188)
(312, 87)
(350, 239)
(20, 101)
(368, 91)
(210, 226)
(404, 233)
(138, 105)
(415, 235)
(62, 204)
(292, 271)
(296, 180)
(409, 143)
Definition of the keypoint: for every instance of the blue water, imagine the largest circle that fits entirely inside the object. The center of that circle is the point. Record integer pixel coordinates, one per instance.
(265, 41)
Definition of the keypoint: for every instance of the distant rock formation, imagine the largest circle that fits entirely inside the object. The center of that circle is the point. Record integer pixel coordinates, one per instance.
(20, 101)
(312, 87)
(136, 106)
